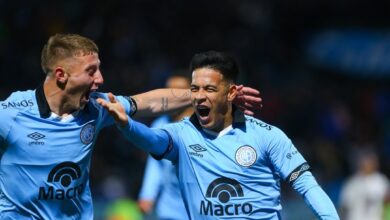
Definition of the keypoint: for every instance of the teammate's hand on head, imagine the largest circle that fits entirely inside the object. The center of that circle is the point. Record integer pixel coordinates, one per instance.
(115, 108)
(248, 100)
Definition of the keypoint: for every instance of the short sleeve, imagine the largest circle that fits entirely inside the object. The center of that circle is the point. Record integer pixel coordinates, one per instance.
(105, 118)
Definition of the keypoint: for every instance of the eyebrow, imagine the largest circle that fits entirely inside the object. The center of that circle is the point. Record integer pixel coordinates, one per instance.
(93, 65)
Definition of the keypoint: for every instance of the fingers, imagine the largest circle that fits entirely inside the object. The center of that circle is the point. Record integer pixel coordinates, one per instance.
(252, 99)
(101, 102)
(251, 91)
(248, 112)
(111, 97)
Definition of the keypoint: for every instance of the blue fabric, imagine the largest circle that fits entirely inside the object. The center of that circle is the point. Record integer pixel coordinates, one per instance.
(45, 162)
(233, 176)
(315, 197)
(160, 184)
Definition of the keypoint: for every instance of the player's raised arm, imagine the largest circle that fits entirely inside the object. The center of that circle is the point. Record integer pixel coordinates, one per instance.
(154, 141)
(164, 100)
(161, 101)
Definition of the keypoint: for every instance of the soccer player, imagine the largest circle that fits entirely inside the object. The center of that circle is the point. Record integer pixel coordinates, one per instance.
(160, 187)
(364, 194)
(47, 134)
(229, 165)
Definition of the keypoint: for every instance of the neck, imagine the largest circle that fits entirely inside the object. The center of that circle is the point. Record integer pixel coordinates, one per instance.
(55, 98)
(227, 120)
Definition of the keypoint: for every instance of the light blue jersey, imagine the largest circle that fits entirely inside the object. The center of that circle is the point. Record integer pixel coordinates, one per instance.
(45, 160)
(161, 185)
(236, 175)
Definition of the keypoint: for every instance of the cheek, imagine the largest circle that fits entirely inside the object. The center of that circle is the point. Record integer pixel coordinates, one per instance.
(79, 84)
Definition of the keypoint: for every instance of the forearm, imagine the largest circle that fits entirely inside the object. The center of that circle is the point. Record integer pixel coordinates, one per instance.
(315, 197)
(161, 100)
(154, 141)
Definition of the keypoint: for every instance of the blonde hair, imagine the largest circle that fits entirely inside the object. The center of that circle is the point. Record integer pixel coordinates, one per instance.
(61, 46)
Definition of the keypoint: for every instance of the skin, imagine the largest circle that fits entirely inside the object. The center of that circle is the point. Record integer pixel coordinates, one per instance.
(68, 86)
(209, 90)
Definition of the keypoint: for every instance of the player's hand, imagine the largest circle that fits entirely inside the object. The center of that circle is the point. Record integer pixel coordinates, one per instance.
(248, 100)
(115, 108)
(145, 206)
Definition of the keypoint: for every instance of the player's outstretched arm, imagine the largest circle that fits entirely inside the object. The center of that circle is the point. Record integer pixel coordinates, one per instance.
(154, 141)
(164, 100)
(315, 197)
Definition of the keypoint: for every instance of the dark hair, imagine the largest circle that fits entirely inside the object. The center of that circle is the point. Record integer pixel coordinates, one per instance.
(219, 61)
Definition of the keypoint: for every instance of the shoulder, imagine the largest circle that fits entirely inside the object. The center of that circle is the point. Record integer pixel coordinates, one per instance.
(179, 125)
(261, 126)
(17, 101)
(20, 101)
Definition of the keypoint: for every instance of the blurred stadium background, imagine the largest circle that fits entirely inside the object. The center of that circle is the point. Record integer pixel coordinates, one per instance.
(323, 68)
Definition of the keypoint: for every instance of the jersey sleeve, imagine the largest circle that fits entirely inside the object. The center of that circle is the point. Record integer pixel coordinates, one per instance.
(105, 117)
(175, 130)
(286, 159)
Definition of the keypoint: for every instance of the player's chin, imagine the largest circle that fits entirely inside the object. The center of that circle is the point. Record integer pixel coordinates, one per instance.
(205, 122)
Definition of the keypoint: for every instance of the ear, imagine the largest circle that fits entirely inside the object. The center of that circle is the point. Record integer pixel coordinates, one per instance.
(232, 93)
(60, 75)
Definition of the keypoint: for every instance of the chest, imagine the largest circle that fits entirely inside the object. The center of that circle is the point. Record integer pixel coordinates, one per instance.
(36, 139)
(235, 153)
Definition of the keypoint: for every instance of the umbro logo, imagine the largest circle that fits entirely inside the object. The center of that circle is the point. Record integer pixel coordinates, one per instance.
(36, 137)
(196, 150)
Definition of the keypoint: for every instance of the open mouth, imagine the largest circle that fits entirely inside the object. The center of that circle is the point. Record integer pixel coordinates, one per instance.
(203, 112)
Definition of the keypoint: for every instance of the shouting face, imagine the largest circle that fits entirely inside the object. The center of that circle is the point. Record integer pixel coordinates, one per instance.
(211, 98)
(81, 77)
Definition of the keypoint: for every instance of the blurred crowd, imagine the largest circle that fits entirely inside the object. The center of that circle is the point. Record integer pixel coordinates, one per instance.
(329, 113)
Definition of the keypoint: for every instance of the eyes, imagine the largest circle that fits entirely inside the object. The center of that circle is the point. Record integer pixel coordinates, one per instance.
(92, 70)
(208, 88)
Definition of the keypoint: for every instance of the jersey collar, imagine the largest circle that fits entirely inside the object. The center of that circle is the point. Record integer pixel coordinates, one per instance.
(43, 106)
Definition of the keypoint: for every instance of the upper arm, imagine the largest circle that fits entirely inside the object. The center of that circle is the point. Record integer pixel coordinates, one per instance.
(285, 158)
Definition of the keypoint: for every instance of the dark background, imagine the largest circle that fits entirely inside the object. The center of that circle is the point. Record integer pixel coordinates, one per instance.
(323, 68)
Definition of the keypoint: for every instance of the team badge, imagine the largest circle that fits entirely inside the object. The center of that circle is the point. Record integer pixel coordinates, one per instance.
(87, 133)
(246, 156)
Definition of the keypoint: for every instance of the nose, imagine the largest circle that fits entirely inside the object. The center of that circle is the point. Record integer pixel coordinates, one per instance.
(200, 95)
(98, 80)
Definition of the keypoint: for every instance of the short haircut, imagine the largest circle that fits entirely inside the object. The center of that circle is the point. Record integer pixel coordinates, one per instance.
(61, 46)
(219, 61)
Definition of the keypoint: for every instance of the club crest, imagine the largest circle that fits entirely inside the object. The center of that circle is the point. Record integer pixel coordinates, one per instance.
(246, 156)
(87, 133)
